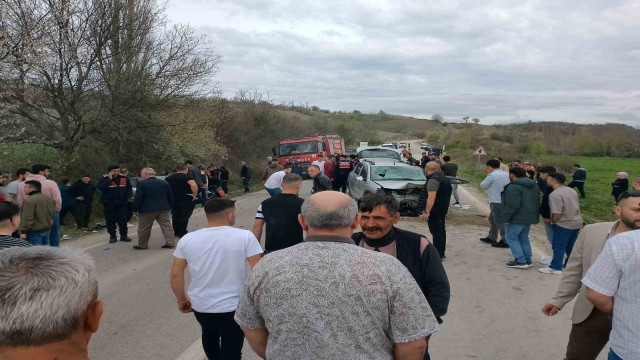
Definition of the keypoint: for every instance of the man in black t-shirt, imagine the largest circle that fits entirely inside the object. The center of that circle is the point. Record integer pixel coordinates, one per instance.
(185, 190)
(280, 214)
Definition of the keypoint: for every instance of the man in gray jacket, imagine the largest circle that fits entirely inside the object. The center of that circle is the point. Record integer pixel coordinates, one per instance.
(494, 183)
(591, 327)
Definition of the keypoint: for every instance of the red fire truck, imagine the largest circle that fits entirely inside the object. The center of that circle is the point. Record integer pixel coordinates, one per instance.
(307, 149)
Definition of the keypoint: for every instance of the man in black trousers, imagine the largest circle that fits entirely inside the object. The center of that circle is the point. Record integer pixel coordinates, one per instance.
(185, 190)
(435, 199)
(116, 191)
(153, 202)
(83, 190)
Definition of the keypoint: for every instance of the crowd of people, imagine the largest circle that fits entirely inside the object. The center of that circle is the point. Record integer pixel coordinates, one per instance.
(298, 301)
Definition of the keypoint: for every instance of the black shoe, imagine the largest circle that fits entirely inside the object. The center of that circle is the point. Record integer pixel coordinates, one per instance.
(487, 240)
(500, 244)
(136, 247)
(125, 239)
(113, 240)
(167, 246)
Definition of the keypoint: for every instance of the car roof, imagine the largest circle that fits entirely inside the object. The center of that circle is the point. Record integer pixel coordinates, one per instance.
(384, 162)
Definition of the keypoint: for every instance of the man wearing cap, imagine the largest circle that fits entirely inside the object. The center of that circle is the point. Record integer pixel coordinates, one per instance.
(116, 191)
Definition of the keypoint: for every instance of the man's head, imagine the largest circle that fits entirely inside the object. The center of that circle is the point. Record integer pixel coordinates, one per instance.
(353, 157)
(321, 157)
(66, 182)
(291, 184)
(114, 169)
(329, 213)
(86, 179)
(288, 168)
(147, 173)
(517, 173)
(545, 171)
(424, 154)
(49, 295)
(517, 163)
(432, 167)
(622, 175)
(31, 186)
(21, 174)
(5, 177)
(189, 163)
(269, 159)
(44, 170)
(378, 214)
(313, 170)
(628, 209)
(9, 217)
(446, 158)
(492, 165)
(576, 166)
(182, 168)
(636, 184)
(432, 156)
(556, 180)
(244, 163)
(221, 211)
(332, 159)
(124, 172)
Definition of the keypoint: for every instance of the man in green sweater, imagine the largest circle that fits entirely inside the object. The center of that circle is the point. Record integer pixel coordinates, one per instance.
(36, 214)
(520, 202)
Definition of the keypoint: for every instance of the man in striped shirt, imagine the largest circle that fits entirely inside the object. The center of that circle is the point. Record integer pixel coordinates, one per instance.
(9, 222)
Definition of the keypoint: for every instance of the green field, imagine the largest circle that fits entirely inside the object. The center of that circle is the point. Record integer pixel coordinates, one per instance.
(601, 172)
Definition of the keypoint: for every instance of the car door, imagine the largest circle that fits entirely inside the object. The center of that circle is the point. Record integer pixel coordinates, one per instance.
(355, 185)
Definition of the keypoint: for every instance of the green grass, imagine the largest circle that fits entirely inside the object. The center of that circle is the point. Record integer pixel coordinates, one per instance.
(601, 172)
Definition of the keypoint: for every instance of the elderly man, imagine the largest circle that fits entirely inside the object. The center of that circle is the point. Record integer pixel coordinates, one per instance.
(378, 216)
(153, 202)
(328, 299)
(50, 307)
(591, 327)
(435, 199)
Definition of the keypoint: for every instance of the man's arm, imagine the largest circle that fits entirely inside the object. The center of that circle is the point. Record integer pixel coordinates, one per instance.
(435, 282)
(257, 338)
(177, 284)
(253, 260)
(555, 218)
(258, 224)
(139, 197)
(194, 188)
(486, 183)
(27, 217)
(602, 302)
(431, 200)
(411, 351)
(513, 200)
(555, 206)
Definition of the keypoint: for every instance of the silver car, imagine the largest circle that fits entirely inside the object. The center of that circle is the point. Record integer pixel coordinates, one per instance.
(404, 182)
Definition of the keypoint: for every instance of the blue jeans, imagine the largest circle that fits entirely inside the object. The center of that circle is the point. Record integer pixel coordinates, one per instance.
(518, 240)
(39, 239)
(274, 192)
(613, 355)
(245, 183)
(54, 235)
(548, 229)
(563, 241)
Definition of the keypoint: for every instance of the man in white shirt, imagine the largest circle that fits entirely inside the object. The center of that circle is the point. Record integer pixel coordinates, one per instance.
(13, 186)
(320, 163)
(216, 257)
(274, 182)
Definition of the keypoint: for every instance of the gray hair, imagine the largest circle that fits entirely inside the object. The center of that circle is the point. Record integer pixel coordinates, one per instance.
(331, 218)
(44, 294)
(149, 171)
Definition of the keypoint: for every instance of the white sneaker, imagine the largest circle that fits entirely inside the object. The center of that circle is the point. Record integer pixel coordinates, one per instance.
(457, 205)
(130, 225)
(546, 260)
(550, 271)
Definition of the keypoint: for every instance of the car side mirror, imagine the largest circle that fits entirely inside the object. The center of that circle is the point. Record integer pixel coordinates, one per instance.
(360, 178)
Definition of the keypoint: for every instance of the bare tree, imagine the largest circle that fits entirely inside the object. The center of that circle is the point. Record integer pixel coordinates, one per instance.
(476, 120)
(465, 119)
(437, 118)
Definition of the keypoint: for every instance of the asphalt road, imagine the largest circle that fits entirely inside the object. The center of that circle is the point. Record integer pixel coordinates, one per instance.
(494, 312)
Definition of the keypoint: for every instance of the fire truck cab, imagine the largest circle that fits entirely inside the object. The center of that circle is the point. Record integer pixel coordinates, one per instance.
(306, 150)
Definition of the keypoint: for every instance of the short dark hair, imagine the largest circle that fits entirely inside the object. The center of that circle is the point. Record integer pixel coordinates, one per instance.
(369, 202)
(65, 181)
(22, 171)
(352, 156)
(518, 172)
(181, 167)
(35, 169)
(622, 196)
(559, 177)
(291, 179)
(34, 184)
(86, 175)
(547, 169)
(493, 163)
(446, 158)
(217, 205)
(8, 210)
(576, 165)
(188, 162)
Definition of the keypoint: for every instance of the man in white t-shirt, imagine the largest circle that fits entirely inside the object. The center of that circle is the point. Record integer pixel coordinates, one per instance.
(13, 186)
(320, 163)
(274, 182)
(216, 257)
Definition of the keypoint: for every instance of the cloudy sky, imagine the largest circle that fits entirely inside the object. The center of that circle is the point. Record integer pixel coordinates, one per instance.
(500, 61)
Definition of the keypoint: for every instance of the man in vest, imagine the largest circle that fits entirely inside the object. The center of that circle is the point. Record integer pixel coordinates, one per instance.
(434, 199)
(344, 168)
(379, 213)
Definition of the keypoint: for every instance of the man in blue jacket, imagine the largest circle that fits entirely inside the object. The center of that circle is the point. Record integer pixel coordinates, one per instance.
(153, 202)
(579, 178)
(116, 191)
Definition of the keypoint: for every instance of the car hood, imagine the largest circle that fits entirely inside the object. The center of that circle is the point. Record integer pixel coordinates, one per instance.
(400, 184)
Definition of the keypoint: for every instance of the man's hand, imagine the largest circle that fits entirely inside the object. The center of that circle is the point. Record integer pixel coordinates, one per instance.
(185, 306)
(425, 215)
(23, 236)
(550, 309)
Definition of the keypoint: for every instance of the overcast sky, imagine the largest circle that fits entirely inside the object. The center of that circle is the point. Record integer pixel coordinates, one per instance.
(500, 61)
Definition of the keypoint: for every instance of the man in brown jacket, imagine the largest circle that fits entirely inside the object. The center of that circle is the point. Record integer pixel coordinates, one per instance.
(591, 327)
(36, 215)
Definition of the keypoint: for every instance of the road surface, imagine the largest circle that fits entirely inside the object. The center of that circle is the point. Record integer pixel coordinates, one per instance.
(494, 312)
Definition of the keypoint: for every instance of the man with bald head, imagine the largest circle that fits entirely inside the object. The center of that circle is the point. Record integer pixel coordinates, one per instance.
(329, 299)
(434, 199)
(153, 202)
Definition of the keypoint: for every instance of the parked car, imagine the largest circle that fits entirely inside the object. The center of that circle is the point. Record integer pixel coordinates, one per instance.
(425, 147)
(378, 152)
(390, 145)
(402, 181)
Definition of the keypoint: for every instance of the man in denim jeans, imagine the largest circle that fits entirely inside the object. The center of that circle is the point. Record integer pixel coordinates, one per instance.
(520, 201)
(36, 215)
(545, 210)
(566, 220)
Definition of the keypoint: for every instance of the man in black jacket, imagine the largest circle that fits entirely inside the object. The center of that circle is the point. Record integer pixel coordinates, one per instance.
(379, 213)
(153, 202)
(83, 190)
(320, 181)
(344, 168)
(435, 199)
(116, 191)
(246, 174)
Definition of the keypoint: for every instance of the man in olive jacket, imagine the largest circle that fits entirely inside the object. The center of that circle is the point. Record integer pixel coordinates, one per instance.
(520, 202)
